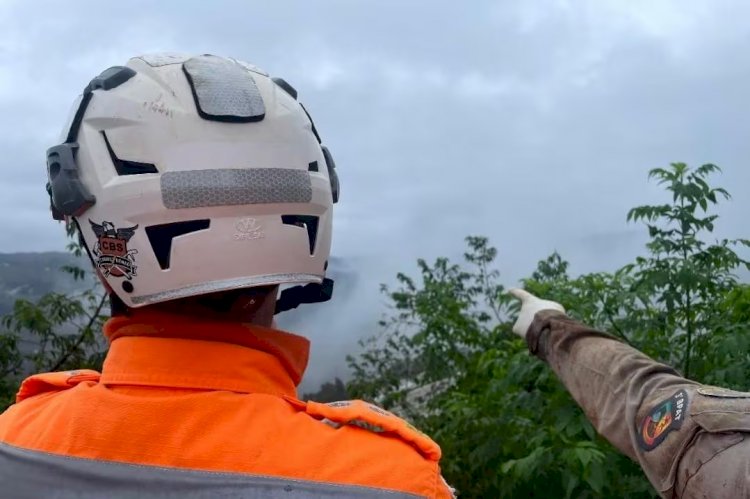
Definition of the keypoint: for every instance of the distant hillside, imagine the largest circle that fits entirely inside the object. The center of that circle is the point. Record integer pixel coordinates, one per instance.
(31, 275)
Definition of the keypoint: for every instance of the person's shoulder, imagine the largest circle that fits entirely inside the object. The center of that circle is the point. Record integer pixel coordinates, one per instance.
(39, 398)
(374, 442)
(38, 384)
(368, 419)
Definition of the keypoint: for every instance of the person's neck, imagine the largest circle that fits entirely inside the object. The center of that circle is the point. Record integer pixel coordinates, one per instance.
(238, 320)
(249, 307)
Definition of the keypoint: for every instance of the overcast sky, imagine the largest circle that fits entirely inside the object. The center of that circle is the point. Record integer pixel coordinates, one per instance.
(532, 122)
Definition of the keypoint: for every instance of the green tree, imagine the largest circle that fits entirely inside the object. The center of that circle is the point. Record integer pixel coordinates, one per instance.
(506, 425)
(65, 331)
(687, 275)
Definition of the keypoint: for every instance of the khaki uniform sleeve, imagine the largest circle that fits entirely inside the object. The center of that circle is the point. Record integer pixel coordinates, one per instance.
(690, 439)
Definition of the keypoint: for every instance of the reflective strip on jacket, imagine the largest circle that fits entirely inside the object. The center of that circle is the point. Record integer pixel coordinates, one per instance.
(188, 409)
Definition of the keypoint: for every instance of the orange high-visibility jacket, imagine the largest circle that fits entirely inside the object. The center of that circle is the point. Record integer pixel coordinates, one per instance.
(192, 409)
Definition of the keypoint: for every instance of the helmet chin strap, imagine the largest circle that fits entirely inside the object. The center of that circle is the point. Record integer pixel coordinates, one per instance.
(309, 293)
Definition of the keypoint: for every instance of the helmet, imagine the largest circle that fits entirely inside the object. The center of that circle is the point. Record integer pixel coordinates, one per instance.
(188, 175)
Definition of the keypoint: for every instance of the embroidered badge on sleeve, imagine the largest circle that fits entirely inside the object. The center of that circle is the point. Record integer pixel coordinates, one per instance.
(662, 419)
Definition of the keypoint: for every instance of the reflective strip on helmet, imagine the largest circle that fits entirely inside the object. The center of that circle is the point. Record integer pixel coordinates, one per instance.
(230, 187)
(26, 474)
(223, 90)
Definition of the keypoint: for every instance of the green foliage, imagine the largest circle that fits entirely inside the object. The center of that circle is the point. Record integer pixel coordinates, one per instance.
(685, 274)
(446, 359)
(57, 331)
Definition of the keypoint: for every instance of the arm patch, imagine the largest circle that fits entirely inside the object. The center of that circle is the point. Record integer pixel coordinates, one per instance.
(665, 417)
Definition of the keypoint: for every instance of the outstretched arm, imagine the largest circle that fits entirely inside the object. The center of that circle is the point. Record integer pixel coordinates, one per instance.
(682, 433)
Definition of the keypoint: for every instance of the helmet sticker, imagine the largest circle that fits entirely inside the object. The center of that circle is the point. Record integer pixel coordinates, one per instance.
(111, 254)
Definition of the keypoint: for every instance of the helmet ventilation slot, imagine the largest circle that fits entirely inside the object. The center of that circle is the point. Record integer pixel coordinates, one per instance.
(161, 236)
(312, 123)
(125, 167)
(308, 222)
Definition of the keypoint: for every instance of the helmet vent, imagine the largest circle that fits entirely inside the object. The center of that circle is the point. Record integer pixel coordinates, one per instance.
(285, 86)
(161, 236)
(125, 167)
(334, 177)
(312, 123)
(308, 222)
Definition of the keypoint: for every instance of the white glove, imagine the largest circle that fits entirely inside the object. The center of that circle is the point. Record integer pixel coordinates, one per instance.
(530, 305)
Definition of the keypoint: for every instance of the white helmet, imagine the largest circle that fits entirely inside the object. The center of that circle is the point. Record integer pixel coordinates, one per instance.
(188, 175)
